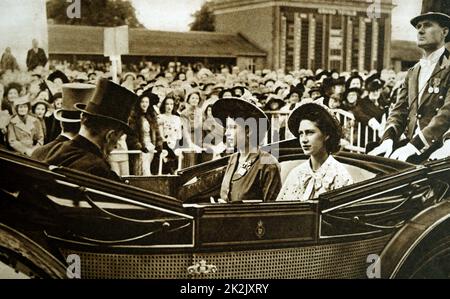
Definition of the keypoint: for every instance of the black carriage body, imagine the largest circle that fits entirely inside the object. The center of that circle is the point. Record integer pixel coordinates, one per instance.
(166, 227)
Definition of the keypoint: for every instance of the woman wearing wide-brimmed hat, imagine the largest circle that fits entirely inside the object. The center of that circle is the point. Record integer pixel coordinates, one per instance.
(24, 131)
(319, 133)
(146, 136)
(251, 174)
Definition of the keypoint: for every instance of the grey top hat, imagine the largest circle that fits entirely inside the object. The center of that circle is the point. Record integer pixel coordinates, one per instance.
(73, 93)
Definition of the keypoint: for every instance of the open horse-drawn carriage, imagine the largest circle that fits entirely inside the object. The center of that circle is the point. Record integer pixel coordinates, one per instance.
(168, 227)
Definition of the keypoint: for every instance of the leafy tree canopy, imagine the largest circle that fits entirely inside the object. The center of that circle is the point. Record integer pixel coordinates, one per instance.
(106, 13)
(204, 19)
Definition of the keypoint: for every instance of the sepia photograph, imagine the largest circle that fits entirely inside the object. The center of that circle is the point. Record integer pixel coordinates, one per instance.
(206, 141)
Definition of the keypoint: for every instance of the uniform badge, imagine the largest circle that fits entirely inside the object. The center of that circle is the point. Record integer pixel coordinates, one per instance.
(242, 171)
(435, 85)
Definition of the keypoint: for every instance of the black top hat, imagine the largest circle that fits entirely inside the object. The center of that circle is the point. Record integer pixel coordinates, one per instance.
(58, 74)
(307, 109)
(274, 104)
(73, 93)
(153, 98)
(437, 10)
(237, 108)
(111, 102)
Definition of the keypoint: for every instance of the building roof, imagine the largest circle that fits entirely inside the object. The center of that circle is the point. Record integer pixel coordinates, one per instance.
(221, 6)
(87, 40)
(405, 50)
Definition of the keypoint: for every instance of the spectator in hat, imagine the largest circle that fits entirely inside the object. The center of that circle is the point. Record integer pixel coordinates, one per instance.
(128, 81)
(39, 109)
(370, 111)
(171, 132)
(24, 131)
(8, 61)
(103, 122)
(293, 100)
(192, 121)
(319, 133)
(59, 78)
(422, 111)
(251, 174)
(315, 92)
(36, 56)
(67, 117)
(11, 94)
(5, 117)
(146, 135)
(53, 126)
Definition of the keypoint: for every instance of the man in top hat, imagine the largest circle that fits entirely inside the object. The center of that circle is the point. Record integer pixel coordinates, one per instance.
(422, 111)
(103, 122)
(68, 116)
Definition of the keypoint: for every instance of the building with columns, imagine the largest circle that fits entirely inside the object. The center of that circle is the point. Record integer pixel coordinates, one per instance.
(312, 34)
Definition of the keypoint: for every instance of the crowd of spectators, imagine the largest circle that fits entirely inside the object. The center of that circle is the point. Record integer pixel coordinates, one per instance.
(175, 104)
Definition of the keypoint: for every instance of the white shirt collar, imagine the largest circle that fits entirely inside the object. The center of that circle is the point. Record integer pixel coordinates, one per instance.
(434, 57)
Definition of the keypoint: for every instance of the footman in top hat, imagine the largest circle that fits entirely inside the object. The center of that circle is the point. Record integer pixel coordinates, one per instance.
(422, 111)
(68, 116)
(103, 122)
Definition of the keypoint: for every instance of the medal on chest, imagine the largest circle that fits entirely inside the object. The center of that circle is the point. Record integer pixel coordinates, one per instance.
(434, 86)
(244, 168)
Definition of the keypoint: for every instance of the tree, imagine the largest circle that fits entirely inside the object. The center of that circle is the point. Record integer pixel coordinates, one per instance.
(204, 19)
(105, 13)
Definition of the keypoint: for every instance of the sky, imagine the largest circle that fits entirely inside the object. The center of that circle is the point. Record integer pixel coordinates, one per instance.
(175, 15)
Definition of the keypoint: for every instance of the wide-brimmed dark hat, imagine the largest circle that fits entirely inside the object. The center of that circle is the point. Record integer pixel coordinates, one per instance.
(374, 82)
(274, 104)
(352, 77)
(223, 91)
(437, 10)
(73, 93)
(58, 74)
(111, 102)
(236, 108)
(306, 109)
(153, 98)
(240, 88)
(298, 89)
